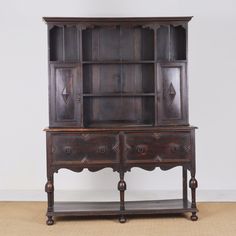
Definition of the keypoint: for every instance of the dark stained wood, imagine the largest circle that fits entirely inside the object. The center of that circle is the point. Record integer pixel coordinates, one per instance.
(122, 43)
(117, 19)
(113, 208)
(104, 129)
(65, 94)
(172, 94)
(56, 44)
(86, 148)
(118, 111)
(171, 43)
(117, 79)
(157, 147)
(119, 62)
(118, 98)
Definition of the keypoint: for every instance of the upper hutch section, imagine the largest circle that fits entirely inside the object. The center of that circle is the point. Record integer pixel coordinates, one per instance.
(117, 72)
(117, 39)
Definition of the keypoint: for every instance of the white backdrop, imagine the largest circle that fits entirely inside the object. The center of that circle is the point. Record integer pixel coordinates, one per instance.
(24, 99)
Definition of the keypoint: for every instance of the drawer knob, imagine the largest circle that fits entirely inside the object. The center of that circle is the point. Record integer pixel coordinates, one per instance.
(102, 149)
(141, 149)
(67, 150)
(176, 148)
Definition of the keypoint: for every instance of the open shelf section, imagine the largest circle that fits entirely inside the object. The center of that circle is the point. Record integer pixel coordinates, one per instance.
(113, 111)
(64, 43)
(118, 43)
(124, 78)
(113, 208)
(171, 43)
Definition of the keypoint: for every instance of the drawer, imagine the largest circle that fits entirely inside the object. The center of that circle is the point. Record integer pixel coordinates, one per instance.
(157, 147)
(86, 148)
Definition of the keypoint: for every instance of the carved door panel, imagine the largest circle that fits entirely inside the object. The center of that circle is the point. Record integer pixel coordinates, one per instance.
(65, 95)
(172, 94)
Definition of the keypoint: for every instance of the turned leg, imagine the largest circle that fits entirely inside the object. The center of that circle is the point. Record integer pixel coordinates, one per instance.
(49, 189)
(185, 184)
(50, 220)
(193, 185)
(122, 188)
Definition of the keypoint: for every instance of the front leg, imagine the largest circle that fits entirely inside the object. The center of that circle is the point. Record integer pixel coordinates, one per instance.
(50, 220)
(122, 188)
(49, 189)
(193, 185)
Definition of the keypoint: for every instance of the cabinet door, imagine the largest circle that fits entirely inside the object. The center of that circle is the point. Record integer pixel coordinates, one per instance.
(172, 94)
(65, 95)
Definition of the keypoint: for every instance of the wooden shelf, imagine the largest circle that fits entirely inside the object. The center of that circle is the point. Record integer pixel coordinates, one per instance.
(171, 61)
(115, 62)
(118, 94)
(119, 62)
(113, 208)
(118, 123)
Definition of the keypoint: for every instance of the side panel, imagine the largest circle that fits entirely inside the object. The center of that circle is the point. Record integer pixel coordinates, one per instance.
(65, 95)
(172, 94)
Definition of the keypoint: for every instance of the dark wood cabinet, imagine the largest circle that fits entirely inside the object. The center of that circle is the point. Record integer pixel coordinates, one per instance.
(118, 98)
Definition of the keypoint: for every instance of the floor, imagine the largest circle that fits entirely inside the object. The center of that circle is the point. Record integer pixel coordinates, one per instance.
(28, 218)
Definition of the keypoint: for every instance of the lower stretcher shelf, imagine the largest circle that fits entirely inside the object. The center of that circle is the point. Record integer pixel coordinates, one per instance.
(113, 208)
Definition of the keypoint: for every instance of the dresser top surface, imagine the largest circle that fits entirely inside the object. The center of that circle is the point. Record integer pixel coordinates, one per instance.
(155, 129)
(114, 19)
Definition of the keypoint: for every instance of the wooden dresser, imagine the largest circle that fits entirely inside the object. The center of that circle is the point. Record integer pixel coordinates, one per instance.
(118, 98)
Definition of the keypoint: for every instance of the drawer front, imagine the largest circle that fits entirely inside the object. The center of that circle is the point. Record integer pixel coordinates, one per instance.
(85, 148)
(157, 147)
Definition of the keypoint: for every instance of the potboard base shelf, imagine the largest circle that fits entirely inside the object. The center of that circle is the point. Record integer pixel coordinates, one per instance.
(176, 206)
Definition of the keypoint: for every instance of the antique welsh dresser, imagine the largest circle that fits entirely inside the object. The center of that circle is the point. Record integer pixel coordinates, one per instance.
(118, 98)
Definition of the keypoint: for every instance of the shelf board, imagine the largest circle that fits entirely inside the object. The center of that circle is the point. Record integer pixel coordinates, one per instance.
(117, 61)
(65, 62)
(118, 94)
(113, 208)
(120, 62)
(62, 20)
(150, 128)
(171, 61)
(118, 123)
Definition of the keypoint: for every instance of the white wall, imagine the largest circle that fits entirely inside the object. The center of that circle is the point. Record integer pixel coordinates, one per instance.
(24, 105)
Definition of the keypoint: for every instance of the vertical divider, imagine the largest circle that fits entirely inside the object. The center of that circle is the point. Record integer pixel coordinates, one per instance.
(121, 184)
(185, 185)
(155, 73)
(170, 51)
(63, 43)
(80, 49)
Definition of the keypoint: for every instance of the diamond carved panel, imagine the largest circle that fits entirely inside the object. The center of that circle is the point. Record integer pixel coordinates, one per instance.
(171, 93)
(66, 91)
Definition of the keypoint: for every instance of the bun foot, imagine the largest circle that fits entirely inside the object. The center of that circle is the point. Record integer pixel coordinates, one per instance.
(50, 221)
(122, 219)
(194, 216)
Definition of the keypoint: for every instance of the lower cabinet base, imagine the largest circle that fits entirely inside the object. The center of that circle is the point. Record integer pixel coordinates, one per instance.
(175, 206)
(122, 150)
